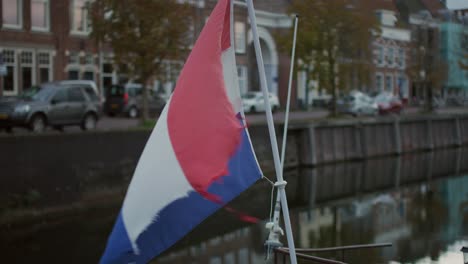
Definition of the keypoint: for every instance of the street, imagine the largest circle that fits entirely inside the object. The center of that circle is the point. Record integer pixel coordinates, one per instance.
(122, 123)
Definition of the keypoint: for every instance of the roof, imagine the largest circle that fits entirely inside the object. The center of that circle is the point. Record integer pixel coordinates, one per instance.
(373, 5)
(408, 7)
(433, 6)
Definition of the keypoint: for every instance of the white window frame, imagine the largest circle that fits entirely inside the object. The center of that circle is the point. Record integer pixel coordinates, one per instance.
(106, 60)
(88, 68)
(13, 64)
(380, 55)
(47, 17)
(391, 78)
(390, 58)
(43, 65)
(382, 83)
(20, 17)
(73, 65)
(31, 65)
(240, 37)
(87, 26)
(242, 73)
(401, 57)
(405, 89)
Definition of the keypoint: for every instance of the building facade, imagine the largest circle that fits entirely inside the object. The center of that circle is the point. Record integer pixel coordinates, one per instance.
(390, 49)
(454, 46)
(47, 40)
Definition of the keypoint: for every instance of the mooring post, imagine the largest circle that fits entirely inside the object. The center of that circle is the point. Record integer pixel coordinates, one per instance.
(430, 140)
(312, 154)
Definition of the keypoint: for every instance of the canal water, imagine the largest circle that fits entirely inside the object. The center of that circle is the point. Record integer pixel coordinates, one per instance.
(62, 213)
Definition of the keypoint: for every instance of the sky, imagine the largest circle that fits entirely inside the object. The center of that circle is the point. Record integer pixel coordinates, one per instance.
(457, 4)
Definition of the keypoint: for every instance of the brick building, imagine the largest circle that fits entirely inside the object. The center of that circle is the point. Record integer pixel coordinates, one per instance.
(45, 40)
(390, 49)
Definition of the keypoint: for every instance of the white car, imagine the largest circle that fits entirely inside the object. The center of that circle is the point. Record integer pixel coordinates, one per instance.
(253, 102)
(357, 103)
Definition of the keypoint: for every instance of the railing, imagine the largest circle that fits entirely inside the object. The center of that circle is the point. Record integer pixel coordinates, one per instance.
(282, 253)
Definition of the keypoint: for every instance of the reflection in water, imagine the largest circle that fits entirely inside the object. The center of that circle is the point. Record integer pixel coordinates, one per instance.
(417, 202)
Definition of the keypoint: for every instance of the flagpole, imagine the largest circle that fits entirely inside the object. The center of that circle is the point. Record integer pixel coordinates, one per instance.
(288, 102)
(281, 184)
(273, 225)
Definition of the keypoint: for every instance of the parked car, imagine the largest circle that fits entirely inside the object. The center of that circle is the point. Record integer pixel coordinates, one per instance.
(54, 104)
(254, 102)
(357, 103)
(388, 103)
(87, 85)
(128, 99)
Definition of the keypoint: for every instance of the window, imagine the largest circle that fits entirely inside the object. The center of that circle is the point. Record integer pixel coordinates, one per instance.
(26, 57)
(60, 96)
(73, 58)
(134, 91)
(88, 75)
(402, 86)
(242, 75)
(107, 74)
(390, 56)
(9, 81)
(401, 58)
(40, 15)
(239, 28)
(75, 95)
(73, 75)
(380, 55)
(389, 83)
(12, 11)
(26, 70)
(91, 93)
(79, 17)
(89, 59)
(44, 65)
(379, 82)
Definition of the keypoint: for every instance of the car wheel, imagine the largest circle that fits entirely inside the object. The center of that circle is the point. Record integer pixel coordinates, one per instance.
(89, 122)
(37, 124)
(9, 130)
(252, 109)
(274, 109)
(133, 112)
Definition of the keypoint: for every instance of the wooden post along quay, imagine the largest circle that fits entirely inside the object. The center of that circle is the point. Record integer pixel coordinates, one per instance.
(351, 139)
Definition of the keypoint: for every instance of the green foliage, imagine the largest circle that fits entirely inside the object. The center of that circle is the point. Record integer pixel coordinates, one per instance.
(333, 42)
(142, 34)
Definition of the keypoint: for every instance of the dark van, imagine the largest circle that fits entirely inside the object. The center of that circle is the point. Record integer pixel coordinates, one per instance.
(128, 100)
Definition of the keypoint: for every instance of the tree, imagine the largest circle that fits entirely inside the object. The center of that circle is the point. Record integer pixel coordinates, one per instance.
(333, 42)
(143, 34)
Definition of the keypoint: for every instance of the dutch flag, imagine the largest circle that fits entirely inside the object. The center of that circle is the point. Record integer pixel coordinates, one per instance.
(198, 151)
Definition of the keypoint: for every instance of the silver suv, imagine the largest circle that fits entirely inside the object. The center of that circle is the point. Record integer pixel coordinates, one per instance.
(52, 104)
